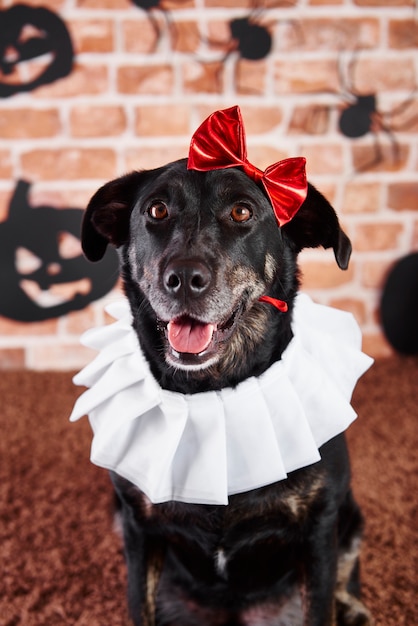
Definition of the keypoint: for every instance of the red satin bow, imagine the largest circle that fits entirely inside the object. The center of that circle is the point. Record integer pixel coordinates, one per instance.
(219, 143)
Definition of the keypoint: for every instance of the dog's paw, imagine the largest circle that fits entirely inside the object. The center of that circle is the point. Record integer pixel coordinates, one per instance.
(352, 612)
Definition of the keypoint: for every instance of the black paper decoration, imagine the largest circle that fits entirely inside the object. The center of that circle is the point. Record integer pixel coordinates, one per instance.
(43, 273)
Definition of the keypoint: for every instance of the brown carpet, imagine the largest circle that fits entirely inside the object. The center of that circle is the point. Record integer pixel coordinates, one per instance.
(60, 561)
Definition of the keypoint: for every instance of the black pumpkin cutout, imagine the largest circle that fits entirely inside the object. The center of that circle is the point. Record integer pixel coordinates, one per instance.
(399, 305)
(28, 33)
(40, 236)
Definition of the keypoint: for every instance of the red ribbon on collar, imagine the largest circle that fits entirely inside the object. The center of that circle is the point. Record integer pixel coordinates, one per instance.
(219, 143)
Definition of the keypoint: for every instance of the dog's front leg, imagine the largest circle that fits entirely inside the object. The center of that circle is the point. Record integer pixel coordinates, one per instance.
(143, 556)
(136, 566)
(144, 560)
(320, 575)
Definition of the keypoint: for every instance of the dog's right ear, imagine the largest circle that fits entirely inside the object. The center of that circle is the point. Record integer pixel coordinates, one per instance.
(106, 218)
(316, 224)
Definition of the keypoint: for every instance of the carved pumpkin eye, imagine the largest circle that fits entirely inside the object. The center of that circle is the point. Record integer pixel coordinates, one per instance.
(26, 261)
(69, 246)
(158, 211)
(241, 213)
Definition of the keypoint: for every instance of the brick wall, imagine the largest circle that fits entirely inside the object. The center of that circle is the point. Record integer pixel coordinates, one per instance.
(143, 81)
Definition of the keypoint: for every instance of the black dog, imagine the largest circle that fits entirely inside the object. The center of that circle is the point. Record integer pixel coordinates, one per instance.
(197, 250)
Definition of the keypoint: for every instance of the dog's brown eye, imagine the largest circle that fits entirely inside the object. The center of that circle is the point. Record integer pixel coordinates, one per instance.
(241, 213)
(158, 211)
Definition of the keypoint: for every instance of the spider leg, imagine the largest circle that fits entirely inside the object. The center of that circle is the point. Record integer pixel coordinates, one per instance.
(405, 125)
(403, 106)
(171, 28)
(156, 28)
(377, 158)
(347, 82)
(396, 153)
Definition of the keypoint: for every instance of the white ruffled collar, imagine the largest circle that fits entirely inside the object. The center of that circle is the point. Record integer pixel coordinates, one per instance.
(203, 447)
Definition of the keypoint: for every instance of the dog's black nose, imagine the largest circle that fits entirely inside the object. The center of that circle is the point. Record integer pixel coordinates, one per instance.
(187, 277)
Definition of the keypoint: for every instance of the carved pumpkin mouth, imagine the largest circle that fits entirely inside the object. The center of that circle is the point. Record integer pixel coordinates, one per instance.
(57, 293)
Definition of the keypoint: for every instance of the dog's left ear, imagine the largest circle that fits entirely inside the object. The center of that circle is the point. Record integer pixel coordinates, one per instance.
(316, 224)
(106, 218)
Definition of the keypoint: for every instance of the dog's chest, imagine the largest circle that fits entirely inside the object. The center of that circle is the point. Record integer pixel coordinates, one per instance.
(237, 543)
(288, 613)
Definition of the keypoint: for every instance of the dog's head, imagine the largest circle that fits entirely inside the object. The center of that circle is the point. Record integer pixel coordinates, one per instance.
(198, 250)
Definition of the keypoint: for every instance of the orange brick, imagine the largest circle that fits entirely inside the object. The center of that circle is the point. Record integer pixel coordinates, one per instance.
(373, 75)
(149, 158)
(5, 164)
(366, 158)
(79, 321)
(331, 34)
(325, 2)
(323, 158)
(324, 274)
(219, 35)
(385, 3)
(329, 191)
(376, 345)
(29, 123)
(104, 4)
(361, 197)
(306, 76)
(151, 79)
(377, 236)
(64, 357)
(374, 273)
(84, 79)
(149, 36)
(241, 4)
(262, 156)
(12, 358)
(356, 307)
(173, 5)
(9, 327)
(185, 36)
(415, 237)
(250, 77)
(92, 35)
(403, 34)
(404, 116)
(258, 119)
(162, 120)
(312, 120)
(97, 121)
(64, 197)
(5, 197)
(69, 164)
(202, 77)
(53, 5)
(403, 196)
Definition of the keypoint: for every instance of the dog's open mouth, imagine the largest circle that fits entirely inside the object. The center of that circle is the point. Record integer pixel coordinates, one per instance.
(196, 344)
(189, 336)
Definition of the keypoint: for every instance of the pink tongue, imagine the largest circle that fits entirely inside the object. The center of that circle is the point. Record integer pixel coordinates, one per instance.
(187, 335)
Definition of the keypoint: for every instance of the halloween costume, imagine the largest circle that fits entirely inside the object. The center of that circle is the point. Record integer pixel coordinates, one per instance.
(201, 448)
(206, 446)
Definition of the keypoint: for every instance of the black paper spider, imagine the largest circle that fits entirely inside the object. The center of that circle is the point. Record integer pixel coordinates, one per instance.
(249, 40)
(361, 116)
(151, 7)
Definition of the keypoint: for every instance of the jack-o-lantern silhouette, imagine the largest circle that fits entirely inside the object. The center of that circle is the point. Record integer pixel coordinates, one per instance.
(28, 33)
(43, 273)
